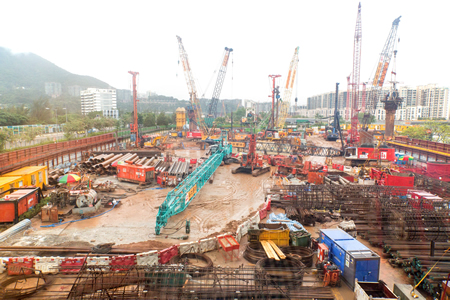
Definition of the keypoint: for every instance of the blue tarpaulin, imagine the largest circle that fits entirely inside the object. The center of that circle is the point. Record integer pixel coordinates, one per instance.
(274, 219)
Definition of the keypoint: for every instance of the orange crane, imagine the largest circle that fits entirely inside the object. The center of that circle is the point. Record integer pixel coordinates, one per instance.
(380, 74)
(134, 128)
(286, 100)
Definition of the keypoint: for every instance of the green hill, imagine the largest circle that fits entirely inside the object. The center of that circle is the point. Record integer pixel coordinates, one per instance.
(23, 77)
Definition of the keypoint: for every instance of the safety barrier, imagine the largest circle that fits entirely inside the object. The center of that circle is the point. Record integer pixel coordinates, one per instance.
(119, 263)
(149, 258)
(71, 265)
(48, 265)
(166, 254)
(189, 247)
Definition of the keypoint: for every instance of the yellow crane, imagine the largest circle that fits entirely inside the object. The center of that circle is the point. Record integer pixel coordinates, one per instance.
(284, 105)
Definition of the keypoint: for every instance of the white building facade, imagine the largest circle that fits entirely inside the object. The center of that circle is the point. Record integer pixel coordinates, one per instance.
(421, 102)
(103, 100)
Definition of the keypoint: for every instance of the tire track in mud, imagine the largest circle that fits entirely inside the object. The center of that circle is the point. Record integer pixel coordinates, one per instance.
(244, 189)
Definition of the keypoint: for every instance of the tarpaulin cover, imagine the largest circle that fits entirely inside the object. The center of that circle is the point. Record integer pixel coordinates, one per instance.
(47, 265)
(149, 258)
(189, 247)
(210, 244)
(121, 263)
(166, 254)
(273, 218)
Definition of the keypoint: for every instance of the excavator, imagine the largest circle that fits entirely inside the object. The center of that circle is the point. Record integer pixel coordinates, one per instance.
(155, 142)
(251, 162)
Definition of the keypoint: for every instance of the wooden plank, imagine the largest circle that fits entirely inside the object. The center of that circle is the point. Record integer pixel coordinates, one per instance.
(277, 250)
(269, 251)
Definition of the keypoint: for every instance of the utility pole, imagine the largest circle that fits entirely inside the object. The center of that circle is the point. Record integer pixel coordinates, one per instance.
(272, 118)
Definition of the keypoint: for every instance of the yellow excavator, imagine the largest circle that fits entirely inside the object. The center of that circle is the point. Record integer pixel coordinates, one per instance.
(156, 142)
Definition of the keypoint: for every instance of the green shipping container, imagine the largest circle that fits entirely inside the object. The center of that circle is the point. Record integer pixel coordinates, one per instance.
(303, 241)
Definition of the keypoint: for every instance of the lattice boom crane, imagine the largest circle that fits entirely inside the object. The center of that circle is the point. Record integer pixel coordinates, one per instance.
(354, 100)
(192, 89)
(286, 100)
(212, 107)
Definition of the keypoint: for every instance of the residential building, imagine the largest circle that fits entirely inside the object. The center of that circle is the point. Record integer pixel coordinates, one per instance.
(53, 89)
(74, 90)
(103, 100)
(421, 102)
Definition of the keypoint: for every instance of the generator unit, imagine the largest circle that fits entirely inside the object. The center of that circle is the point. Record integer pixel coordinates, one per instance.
(355, 260)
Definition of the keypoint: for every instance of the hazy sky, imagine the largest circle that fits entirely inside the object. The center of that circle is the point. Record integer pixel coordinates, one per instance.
(106, 39)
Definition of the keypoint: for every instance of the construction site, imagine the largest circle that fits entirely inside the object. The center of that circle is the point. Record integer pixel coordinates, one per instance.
(251, 211)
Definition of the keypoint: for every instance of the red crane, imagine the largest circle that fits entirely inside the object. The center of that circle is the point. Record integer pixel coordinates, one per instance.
(355, 98)
(134, 129)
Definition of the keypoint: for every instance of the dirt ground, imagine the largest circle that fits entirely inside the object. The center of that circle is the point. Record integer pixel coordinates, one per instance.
(218, 207)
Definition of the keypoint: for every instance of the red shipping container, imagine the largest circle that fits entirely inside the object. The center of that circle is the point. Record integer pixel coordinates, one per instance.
(263, 213)
(15, 264)
(72, 264)
(193, 161)
(20, 201)
(120, 263)
(166, 254)
(182, 159)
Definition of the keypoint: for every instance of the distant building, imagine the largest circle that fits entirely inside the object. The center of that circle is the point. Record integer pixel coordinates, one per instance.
(53, 89)
(421, 102)
(123, 96)
(103, 100)
(74, 90)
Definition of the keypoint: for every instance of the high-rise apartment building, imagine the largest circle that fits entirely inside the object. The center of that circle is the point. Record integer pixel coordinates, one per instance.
(103, 100)
(74, 90)
(421, 102)
(53, 89)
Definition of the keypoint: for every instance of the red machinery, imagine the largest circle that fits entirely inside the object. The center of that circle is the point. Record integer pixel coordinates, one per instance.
(194, 135)
(355, 156)
(391, 177)
(424, 200)
(251, 161)
(134, 128)
(331, 273)
(135, 173)
(16, 201)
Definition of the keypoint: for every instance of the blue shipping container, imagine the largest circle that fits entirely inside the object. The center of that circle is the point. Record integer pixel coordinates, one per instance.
(355, 260)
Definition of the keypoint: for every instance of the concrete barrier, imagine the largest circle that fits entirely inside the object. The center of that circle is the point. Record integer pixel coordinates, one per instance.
(207, 245)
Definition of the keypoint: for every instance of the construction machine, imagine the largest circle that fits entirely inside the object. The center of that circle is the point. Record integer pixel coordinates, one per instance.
(155, 142)
(251, 162)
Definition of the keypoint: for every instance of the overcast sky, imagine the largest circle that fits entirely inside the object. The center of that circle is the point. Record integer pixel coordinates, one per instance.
(106, 39)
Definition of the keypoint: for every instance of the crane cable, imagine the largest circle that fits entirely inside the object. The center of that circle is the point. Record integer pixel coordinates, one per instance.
(232, 73)
(415, 287)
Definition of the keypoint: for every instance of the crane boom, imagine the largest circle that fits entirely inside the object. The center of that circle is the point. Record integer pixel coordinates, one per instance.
(354, 100)
(286, 101)
(197, 110)
(212, 107)
(382, 68)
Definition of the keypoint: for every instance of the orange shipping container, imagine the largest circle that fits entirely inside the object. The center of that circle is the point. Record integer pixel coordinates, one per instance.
(15, 202)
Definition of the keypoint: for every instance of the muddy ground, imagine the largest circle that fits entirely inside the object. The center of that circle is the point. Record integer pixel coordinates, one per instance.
(218, 207)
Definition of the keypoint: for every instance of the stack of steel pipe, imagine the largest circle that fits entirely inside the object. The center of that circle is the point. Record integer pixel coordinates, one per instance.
(420, 259)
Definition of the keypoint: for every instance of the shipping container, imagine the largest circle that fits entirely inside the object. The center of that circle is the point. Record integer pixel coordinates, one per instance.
(14, 202)
(7, 183)
(355, 260)
(31, 176)
(135, 173)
